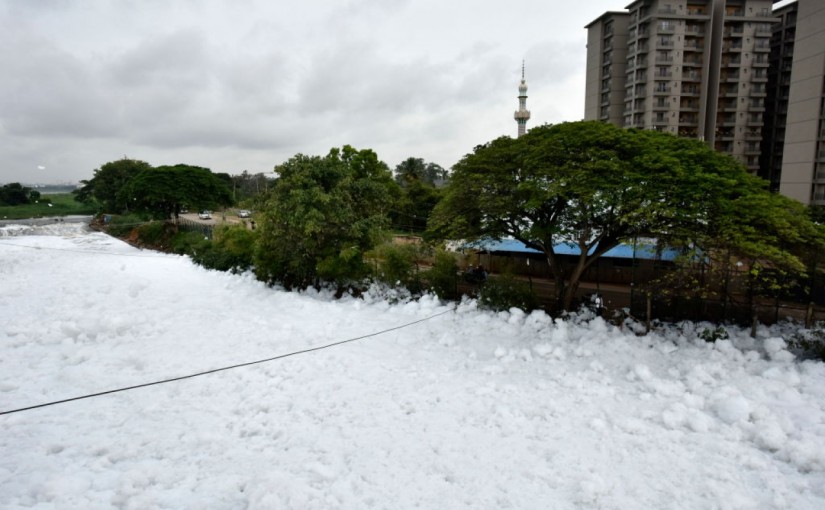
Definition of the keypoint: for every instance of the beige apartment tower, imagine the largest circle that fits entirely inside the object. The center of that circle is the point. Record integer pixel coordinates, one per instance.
(696, 68)
(803, 154)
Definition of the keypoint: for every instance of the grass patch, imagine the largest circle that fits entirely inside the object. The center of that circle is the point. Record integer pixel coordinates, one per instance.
(62, 204)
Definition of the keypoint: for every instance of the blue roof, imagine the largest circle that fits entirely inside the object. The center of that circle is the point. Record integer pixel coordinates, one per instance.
(622, 251)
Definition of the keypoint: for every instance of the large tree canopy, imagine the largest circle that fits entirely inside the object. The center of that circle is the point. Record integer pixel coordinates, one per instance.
(164, 190)
(595, 186)
(108, 181)
(14, 193)
(324, 212)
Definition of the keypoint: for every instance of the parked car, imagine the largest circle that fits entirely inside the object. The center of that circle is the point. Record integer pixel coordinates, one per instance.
(205, 215)
(243, 213)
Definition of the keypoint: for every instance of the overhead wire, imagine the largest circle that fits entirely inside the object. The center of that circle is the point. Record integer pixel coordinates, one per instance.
(222, 369)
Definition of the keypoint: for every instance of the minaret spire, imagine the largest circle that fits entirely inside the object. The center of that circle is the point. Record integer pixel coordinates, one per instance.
(523, 114)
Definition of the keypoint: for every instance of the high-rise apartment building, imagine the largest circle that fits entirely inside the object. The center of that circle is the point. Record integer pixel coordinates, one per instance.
(696, 68)
(803, 154)
(776, 104)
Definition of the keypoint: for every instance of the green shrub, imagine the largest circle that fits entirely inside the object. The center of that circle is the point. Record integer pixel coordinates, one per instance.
(442, 277)
(504, 292)
(122, 225)
(396, 264)
(712, 335)
(155, 233)
(231, 249)
(188, 243)
(809, 343)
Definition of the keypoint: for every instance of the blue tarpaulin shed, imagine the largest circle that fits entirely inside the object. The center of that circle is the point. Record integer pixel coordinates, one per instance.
(622, 251)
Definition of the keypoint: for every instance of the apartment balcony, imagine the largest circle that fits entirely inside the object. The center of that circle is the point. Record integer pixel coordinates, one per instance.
(694, 62)
(691, 76)
(688, 122)
(661, 91)
(820, 176)
(753, 134)
(734, 13)
(661, 107)
(667, 29)
(663, 76)
(664, 60)
(729, 77)
(693, 46)
(727, 106)
(690, 92)
(667, 10)
(819, 199)
(759, 78)
(731, 62)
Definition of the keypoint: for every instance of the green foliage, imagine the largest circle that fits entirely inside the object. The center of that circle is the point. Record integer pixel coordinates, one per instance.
(594, 185)
(712, 335)
(250, 188)
(809, 343)
(122, 225)
(416, 202)
(231, 249)
(416, 170)
(442, 277)
(323, 214)
(504, 292)
(155, 234)
(108, 181)
(188, 243)
(397, 264)
(163, 191)
(14, 194)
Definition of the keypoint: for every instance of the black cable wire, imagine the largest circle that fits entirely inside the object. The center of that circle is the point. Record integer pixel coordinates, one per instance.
(214, 370)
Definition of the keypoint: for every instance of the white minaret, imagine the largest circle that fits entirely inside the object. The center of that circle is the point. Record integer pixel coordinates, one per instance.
(523, 114)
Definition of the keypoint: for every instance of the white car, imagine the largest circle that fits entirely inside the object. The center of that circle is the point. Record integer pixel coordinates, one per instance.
(243, 213)
(205, 215)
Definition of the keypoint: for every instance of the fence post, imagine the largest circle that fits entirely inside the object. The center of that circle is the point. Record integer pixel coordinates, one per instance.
(649, 311)
(809, 316)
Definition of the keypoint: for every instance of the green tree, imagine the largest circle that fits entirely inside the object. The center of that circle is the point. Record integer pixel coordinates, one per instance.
(594, 186)
(416, 169)
(14, 194)
(322, 215)
(108, 182)
(163, 191)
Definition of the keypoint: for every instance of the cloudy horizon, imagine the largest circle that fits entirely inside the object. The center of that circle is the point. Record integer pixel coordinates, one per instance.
(245, 86)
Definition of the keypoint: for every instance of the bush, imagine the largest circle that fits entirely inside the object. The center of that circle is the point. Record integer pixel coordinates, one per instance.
(712, 335)
(397, 265)
(504, 292)
(809, 343)
(188, 243)
(155, 234)
(442, 277)
(231, 249)
(122, 226)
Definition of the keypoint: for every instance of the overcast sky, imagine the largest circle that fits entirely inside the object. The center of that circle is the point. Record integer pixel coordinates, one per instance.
(237, 85)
